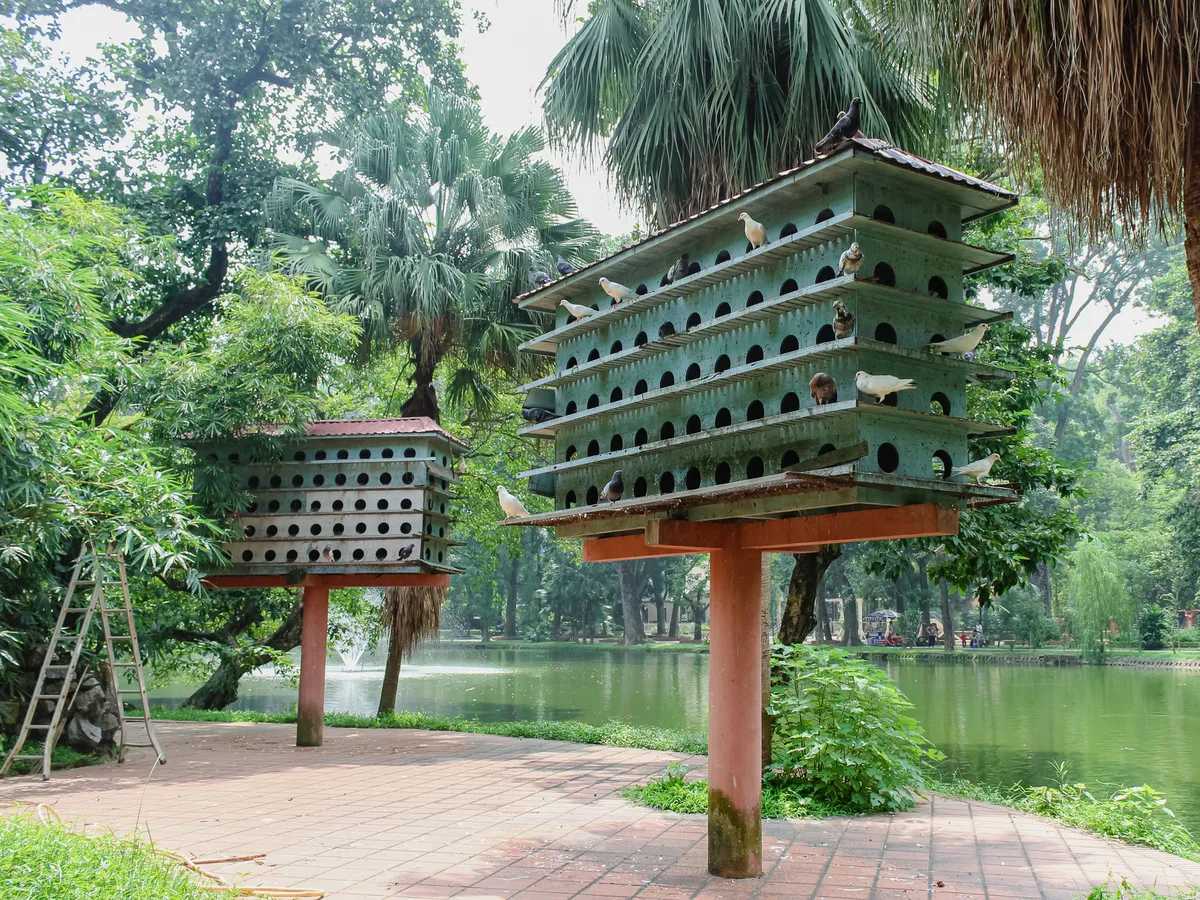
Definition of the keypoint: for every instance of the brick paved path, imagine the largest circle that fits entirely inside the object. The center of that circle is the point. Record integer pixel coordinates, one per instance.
(434, 815)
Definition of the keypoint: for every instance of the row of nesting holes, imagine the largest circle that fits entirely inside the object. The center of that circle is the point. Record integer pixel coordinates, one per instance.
(275, 481)
(339, 529)
(313, 555)
(300, 456)
(882, 213)
(887, 456)
(338, 505)
(939, 403)
(884, 274)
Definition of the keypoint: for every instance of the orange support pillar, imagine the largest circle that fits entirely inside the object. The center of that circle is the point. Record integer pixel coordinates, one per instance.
(735, 714)
(314, 635)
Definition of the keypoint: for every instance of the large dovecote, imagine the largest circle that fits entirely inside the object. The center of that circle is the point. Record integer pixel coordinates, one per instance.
(350, 498)
(698, 389)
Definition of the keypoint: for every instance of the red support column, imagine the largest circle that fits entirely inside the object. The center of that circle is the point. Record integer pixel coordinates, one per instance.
(314, 634)
(735, 715)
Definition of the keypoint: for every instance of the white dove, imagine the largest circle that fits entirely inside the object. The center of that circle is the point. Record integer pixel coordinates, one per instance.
(979, 469)
(616, 290)
(879, 386)
(756, 234)
(513, 508)
(964, 343)
(577, 310)
(851, 260)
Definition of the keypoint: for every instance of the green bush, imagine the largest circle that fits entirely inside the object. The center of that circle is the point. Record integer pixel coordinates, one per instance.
(1153, 626)
(674, 794)
(842, 732)
(51, 862)
(1187, 636)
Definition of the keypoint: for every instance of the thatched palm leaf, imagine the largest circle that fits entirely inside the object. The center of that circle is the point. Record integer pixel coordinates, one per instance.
(408, 615)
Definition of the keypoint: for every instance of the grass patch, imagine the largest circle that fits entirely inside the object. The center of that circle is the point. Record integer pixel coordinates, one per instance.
(1126, 891)
(610, 734)
(62, 757)
(673, 793)
(51, 862)
(1137, 815)
(649, 646)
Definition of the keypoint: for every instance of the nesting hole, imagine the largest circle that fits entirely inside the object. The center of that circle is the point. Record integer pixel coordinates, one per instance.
(693, 425)
(297, 480)
(790, 344)
(641, 289)
(640, 339)
(884, 214)
(942, 464)
(641, 437)
(272, 530)
(247, 555)
(572, 408)
(937, 229)
(617, 443)
(892, 399)
(639, 487)
(826, 448)
(385, 477)
(339, 479)
(593, 401)
(787, 230)
(939, 403)
(825, 334)
(253, 482)
(723, 473)
(343, 454)
(296, 505)
(888, 457)
(723, 363)
(666, 483)
(666, 432)
(338, 528)
(827, 273)
(692, 479)
(388, 453)
(409, 453)
(594, 355)
(824, 214)
(789, 458)
(293, 530)
(790, 402)
(938, 288)
(694, 269)
(593, 495)
(593, 448)
(292, 556)
(276, 481)
(615, 395)
(754, 468)
(570, 501)
(668, 379)
(693, 372)
(723, 256)
(641, 387)
(693, 320)
(666, 329)
(754, 299)
(788, 286)
(572, 362)
(885, 275)
(570, 454)
(754, 411)
(754, 354)
(724, 418)
(885, 333)
(617, 347)
(723, 309)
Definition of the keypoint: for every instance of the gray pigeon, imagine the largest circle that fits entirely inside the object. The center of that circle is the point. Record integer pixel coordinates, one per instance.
(538, 415)
(565, 268)
(843, 320)
(843, 129)
(538, 277)
(614, 489)
(679, 270)
(406, 552)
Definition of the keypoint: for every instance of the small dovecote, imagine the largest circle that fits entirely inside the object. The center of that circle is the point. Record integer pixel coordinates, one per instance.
(352, 497)
(698, 389)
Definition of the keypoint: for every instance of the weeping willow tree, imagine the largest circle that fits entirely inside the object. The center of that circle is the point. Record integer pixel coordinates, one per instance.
(408, 615)
(700, 100)
(1097, 596)
(1101, 98)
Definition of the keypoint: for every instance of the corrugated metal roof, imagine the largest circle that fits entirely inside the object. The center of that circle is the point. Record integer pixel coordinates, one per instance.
(879, 148)
(409, 425)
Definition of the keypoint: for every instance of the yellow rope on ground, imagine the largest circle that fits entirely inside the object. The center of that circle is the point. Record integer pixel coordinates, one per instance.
(45, 812)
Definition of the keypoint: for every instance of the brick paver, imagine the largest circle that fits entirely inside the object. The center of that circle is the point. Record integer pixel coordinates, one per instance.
(434, 815)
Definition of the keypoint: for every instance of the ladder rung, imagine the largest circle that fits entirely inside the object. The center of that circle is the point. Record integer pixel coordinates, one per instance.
(28, 756)
(124, 665)
(42, 727)
(78, 609)
(129, 718)
(59, 666)
(122, 637)
(129, 690)
(50, 696)
(138, 745)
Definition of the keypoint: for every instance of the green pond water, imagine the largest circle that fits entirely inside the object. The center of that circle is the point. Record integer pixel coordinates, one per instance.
(996, 724)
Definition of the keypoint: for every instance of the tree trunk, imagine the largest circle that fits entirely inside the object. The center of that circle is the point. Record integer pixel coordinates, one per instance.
(850, 635)
(391, 677)
(631, 603)
(1041, 578)
(924, 579)
(947, 618)
(673, 632)
(423, 401)
(485, 634)
(799, 616)
(825, 630)
(660, 614)
(221, 688)
(510, 610)
(1191, 201)
(697, 621)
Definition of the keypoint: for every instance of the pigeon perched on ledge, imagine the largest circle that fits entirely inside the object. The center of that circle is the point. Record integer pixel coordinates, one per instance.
(823, 389)
(538, 277)
(513, 508)
(756, 233)
(565, 268)
(679, 270)
(577, 310)
(616, 290)
(614, 489)
(851, 260)
(538, 415)
(964, 343)
(979, 469)
(879, 386)
(843, 320)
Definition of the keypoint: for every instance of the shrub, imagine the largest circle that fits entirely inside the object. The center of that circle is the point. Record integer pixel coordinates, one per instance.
(672, 793)
(842, 732)
(1153, 625)
(1187, 636)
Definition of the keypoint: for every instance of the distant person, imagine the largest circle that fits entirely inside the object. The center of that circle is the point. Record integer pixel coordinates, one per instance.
(962, 636)
(978, 635)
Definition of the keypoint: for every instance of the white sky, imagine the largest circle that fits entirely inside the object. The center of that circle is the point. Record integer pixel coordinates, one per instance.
(507, 62)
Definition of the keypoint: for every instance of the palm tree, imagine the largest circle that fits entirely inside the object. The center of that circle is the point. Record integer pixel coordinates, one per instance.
(409, 615)
(1103, 98)
(427, 234)
(701, 100)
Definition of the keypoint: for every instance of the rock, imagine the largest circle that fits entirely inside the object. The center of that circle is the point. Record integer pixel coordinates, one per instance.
(84, 735)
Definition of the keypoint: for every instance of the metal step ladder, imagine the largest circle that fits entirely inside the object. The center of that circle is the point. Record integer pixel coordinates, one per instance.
(71, 631)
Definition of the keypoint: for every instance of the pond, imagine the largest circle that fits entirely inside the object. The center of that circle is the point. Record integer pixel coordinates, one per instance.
(996, 724)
